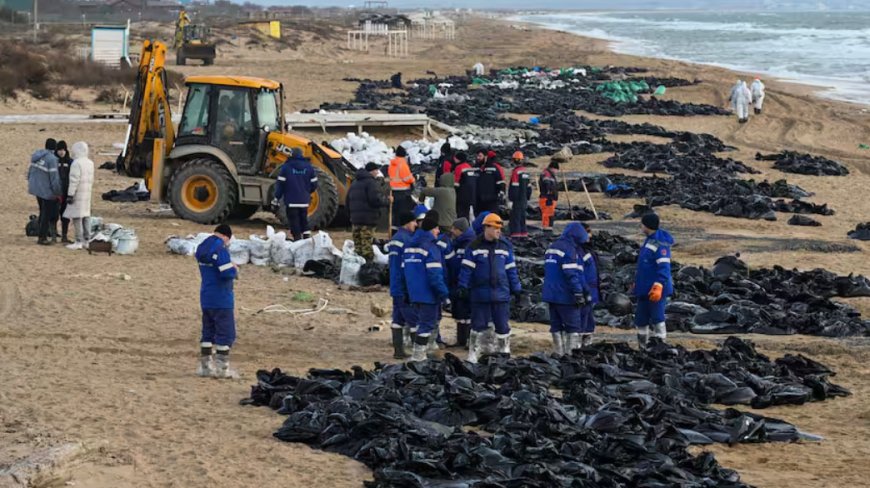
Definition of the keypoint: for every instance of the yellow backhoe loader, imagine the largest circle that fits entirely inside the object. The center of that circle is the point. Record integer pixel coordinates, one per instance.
(222, 161)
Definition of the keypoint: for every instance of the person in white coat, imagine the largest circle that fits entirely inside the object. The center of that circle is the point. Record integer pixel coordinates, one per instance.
(740, 99)
(757, 90)
(81, 183)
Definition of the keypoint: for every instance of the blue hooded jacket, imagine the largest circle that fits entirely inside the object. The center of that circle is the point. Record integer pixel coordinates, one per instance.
(217, 272)
(654, 264)
(43, 178)
(477, 225)
(423, 269)
(297, 180)
(590, 269)
(489, 271)
(455, 256)
(401, 239)
(564, 275)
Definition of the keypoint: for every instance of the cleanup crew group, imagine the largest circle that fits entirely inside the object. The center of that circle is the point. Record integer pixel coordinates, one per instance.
(453, 258)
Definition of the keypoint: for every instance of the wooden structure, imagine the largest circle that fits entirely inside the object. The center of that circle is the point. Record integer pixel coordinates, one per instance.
(433, 27)
(397, 40)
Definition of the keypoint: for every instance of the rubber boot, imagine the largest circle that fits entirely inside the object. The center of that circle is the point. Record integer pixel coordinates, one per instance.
(503, 343)
(421, 344)
(573, 342)
(473, 347)
(558, 345)
(642, 337)
(586, 340)
(206, 363)
(462, 330)
(222, 366)
(432, 343)
(398, 343)
(487, 341)
(660, 331)
(407, 343)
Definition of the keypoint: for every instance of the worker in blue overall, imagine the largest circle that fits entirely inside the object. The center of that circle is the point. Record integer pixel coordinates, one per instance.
(218, 303)
(404, 318)
(565, 288)
(653, 283)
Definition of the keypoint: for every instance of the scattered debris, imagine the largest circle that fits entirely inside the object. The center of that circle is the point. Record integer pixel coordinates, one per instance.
(804, 164)
(804, 221)
(861, 232)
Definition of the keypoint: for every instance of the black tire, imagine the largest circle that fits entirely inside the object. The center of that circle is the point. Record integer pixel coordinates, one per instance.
(208, 61)
(321, 216)
(225, 200)
(179, 60)
(243, 212)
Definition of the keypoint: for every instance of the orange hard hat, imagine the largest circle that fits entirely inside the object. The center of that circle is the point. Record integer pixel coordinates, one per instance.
(518, 155)
(493, 220)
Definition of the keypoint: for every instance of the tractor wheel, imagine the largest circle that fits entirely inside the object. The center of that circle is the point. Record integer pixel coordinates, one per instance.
(203, 190)
(324, 203)
(179, 60)
(208, 61)
(243, 212)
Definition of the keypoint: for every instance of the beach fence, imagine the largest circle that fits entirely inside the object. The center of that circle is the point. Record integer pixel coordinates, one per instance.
(396, 39)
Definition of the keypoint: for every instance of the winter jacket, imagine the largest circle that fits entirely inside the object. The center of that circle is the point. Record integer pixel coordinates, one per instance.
(489, 271)
(477, 224)
(590, 269)
(445, 200)
(465, 175)
(490, 185)
(423, 269)
(564, 274)
(395, 248)
(217, 272)
(63, 167)
(297, 180)
(654, 265)
(43, 179)
(446, 164)
(400, 175)
(456, 255)
(365, 199)
(520, 190)
(549, 185)
(81, 183)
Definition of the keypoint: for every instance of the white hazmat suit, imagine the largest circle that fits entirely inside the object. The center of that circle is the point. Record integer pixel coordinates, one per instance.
(757, 90)
(740, 99)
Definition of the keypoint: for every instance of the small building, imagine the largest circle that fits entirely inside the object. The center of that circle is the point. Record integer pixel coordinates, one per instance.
(110, 44)
(271, 28)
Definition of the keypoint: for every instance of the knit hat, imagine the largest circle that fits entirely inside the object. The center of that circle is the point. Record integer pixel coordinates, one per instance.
(50, 144)
(224, 229)
(431, 221)
(462, 157)
(493, 220)
(650, 221)
(406, 218)
(372, 167)
(420, 212)
(461, 224)
(401, 152)
(491, 155)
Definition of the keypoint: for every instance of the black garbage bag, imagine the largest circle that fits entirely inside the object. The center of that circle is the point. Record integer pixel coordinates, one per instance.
(322, 268)
(371, 274)
(31, 229)
(803, 220)
(805, 164)
(861, 232)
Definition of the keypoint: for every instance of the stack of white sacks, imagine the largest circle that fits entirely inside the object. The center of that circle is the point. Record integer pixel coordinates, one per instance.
(362, 149)
(273, 249)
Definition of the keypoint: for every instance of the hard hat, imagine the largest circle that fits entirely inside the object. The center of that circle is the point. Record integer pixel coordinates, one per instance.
(493, 220)
(518, 155)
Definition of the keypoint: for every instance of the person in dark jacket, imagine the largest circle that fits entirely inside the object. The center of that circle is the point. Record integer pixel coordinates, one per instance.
(489, 277)
(63, 164)
(565, 288)
(297, 180)
(463, 235)
(446, 163)
(549, 187)
(218, 303)
(404, 316)
(653, 283)
(519, 193)
(465, 176)
(365, 199)
(43, 182)
(423, 275)
(593, 280)
(490, 185)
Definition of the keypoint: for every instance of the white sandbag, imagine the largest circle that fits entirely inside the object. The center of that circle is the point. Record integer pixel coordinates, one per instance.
(240, 251)
(260, 251)
(323, 247)
(351, 262)
(180, 245)
(281, 252)
(303, 251)
(125, 241)
(380, 257)
(95, 224)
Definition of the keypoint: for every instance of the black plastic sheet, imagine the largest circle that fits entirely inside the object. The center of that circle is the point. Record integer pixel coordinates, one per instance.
(804, 164)
(861, 232)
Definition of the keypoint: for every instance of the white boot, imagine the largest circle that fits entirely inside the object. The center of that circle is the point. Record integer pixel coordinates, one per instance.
(558, 345)
(573, 342)
(504, 343)
(432, 346)
(407, 342)
(487, 341)
(222, 367)
(473, 347)
(206, 366)
(420, 347)
(75, 246)
(642, 337)
(660, 331)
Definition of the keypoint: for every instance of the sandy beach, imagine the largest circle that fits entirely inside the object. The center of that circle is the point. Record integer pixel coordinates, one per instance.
(101, 350)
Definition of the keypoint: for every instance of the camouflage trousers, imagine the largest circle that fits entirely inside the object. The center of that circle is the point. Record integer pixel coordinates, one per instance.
(363, 237)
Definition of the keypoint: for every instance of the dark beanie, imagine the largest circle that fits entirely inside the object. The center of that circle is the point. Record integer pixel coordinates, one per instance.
(224, 229)
(462, 157)
(650, 221)
(60, 145)
(461, 224)
(372, 166)
(401, 152)
(431, 220)
(407, 217)
(50, 144)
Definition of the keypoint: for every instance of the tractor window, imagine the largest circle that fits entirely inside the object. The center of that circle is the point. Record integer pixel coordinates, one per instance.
(235, 118)
(194, 121)
(267, 110)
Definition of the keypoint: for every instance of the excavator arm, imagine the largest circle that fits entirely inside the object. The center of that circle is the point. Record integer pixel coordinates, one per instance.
(150, 133)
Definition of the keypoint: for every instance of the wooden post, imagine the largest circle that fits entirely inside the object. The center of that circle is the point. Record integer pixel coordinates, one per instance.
(567, 195)
(594, 212)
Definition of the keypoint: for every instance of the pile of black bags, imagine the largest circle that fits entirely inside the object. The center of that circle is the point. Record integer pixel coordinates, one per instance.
(622, 418)
(861, 232)
(804, 164)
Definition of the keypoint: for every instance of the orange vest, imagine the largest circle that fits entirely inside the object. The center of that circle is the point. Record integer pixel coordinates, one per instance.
(400, 174)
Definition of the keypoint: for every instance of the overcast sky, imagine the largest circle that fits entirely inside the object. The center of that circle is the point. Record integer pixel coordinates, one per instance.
(590, 4)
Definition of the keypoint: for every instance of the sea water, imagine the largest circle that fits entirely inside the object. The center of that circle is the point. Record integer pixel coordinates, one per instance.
(827, 49)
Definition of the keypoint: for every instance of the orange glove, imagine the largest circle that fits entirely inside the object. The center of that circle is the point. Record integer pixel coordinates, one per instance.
(655, 293)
